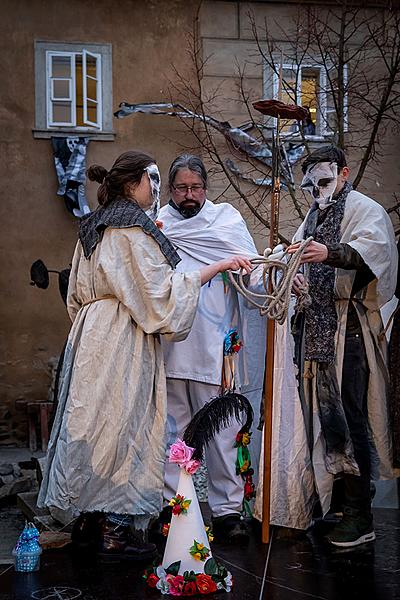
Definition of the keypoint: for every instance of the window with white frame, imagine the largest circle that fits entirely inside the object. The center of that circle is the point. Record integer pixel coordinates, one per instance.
(73, 87)
(315, 87)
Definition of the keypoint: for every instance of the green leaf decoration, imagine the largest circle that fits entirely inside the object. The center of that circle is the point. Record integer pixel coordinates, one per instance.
(173, 569)
(199, 551)
(247, 508)
(222, 572)
(218, 579)
(210, 567)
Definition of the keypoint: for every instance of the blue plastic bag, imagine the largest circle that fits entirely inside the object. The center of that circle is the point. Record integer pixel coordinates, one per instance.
(27, 550)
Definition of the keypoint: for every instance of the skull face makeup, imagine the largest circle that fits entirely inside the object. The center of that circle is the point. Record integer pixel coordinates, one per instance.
(320, 180)
(155, 185)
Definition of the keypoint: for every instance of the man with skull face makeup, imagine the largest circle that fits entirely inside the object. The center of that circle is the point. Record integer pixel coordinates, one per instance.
(351, 271)
(202, 233)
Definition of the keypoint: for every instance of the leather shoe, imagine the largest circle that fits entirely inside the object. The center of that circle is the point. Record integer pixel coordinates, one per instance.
(86, 531)
(121, 542)
(230, 528)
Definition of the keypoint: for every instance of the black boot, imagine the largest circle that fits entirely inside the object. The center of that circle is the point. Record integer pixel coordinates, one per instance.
(86, 530)
(356, 528)
(230, 528)
(357, 525)
(121, 542)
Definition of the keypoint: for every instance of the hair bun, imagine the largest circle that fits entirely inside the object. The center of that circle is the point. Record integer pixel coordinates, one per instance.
(97, 173)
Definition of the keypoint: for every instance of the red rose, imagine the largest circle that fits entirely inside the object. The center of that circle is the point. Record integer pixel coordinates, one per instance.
(177, 509)
(249, 489)
(190, 589)
(152, 580)
(205, 584)
(239, 438)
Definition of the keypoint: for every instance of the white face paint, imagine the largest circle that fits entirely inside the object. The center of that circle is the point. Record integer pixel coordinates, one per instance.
(320, 180)
(155, 185)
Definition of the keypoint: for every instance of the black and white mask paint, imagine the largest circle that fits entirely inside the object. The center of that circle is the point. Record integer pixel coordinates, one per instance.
(155, 184)
(320, 180)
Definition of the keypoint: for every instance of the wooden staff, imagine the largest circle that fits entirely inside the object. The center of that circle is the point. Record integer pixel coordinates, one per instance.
(270, 347)
(279, 110)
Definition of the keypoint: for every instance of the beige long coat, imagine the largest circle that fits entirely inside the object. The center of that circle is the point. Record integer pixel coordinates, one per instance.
(296, 475)
(107, 447)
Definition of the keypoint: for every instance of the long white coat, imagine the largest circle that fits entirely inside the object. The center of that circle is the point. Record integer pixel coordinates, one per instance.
(107, 447)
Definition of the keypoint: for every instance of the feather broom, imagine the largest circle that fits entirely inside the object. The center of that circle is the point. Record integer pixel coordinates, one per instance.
(215, 416)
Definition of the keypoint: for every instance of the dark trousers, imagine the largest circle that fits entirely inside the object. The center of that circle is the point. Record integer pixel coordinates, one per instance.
(354, 397)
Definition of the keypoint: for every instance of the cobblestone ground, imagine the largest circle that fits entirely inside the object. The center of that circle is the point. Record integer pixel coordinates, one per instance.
(11, 525)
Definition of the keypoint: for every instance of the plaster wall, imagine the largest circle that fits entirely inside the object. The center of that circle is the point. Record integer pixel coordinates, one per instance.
(147, 38)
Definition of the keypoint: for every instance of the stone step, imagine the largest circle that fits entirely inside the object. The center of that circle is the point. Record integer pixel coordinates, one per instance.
(16, 485)
(26, 501)
(45, 520)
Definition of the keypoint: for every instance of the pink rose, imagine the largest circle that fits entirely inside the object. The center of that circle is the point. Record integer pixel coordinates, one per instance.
(192, 466)
(180, 453)
(176, 584)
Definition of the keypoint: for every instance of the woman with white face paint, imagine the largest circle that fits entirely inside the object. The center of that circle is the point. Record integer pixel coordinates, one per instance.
(106, 454)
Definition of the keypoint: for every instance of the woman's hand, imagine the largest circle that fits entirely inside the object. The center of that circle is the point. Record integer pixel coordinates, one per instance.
(314, 252)
(234, 263)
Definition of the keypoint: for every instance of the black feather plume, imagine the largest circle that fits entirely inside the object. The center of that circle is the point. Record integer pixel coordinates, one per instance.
(215, 416)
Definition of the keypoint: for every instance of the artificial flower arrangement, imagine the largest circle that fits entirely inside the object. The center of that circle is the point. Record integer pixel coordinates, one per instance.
(199, 551)
(232, 342)
(168, 581)
(243, 467)
(177, 579)
(232, 345)
(179, 504)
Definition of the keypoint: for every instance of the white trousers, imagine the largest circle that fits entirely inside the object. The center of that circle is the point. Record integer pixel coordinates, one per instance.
(225, 489)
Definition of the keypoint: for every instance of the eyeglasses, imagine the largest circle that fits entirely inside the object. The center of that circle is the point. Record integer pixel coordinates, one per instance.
(182, 190)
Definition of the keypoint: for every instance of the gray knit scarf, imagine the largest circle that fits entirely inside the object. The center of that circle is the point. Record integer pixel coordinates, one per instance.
(321, 316)
(121, 213)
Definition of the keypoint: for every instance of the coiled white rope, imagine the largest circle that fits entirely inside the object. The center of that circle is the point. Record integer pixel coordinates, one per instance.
(279, 271)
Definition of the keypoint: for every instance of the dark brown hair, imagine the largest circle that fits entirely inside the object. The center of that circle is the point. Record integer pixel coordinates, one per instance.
(325, 154)
(128, 168)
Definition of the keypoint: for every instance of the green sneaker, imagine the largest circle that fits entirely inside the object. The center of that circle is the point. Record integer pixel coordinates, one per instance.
(355, 528)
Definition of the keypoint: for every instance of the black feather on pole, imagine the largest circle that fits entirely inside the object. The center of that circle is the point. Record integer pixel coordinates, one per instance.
(215, 416)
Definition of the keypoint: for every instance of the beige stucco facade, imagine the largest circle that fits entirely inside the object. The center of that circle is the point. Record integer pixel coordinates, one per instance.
(146, 38)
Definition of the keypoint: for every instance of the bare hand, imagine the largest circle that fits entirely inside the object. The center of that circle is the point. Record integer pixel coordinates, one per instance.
(298, 284)
(234, 263)
(314, 253)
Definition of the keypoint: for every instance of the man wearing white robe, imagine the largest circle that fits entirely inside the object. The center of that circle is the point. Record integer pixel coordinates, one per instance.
(341, 354)
(202, 232)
